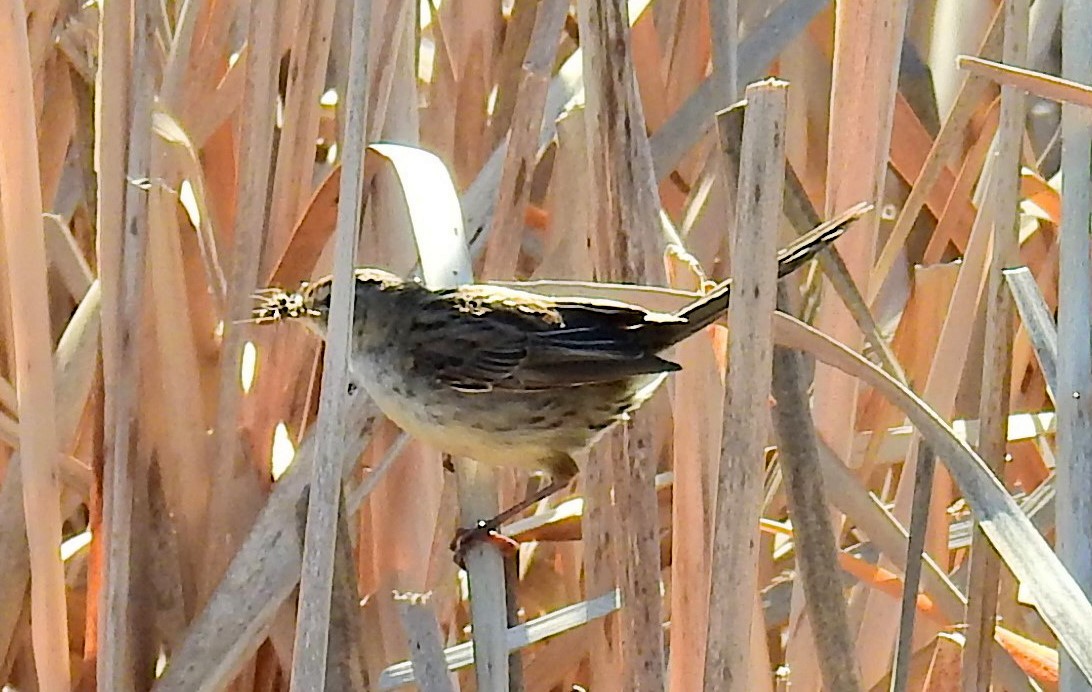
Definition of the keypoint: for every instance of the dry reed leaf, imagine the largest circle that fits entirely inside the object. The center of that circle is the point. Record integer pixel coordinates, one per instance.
(943, 668)
(262, 574)
(229, 471)
(886, 582)
(686, 52)
(25, 260)
(296, 146)
(553, 624)
(1011, 534)
(947, 230)
(1035, 659)
(184, 465)
(290, 351)
(939, 390)
(510, 55)
(918, 330)
(863, 89)
(707, 220)
(56, 126)
(1036, 83)
(437, 125)
(699, 416)
(908, 159)
(966, 102)
(184, 168)
(309, 236)
(224, 101)
(692, 120)
(1035, 190)
(68, 260)
(649, 69)
(503, 249)
(1038, 322)
(565, 254)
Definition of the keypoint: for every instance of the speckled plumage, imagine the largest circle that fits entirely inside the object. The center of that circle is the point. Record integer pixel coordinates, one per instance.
(498, 375)
(508, 377)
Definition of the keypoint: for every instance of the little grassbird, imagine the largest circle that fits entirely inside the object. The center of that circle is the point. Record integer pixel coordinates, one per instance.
(508, 377)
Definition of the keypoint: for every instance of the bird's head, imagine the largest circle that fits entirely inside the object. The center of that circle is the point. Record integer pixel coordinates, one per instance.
(310, 303)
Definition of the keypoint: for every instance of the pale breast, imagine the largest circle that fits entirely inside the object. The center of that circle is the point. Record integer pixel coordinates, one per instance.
(510, 428)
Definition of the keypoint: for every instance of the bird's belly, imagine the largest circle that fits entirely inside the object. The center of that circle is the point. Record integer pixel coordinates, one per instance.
(524, 429)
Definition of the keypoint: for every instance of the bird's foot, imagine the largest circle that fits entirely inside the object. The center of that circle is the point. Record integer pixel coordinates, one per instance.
(482, 531)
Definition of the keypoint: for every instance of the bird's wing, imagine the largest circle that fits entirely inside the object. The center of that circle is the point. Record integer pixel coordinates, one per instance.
(477, 340)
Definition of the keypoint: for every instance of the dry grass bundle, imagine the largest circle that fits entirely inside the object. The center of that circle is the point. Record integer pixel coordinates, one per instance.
(191, 501)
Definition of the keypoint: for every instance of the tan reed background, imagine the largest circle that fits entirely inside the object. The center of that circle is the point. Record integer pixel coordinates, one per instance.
(161, 161)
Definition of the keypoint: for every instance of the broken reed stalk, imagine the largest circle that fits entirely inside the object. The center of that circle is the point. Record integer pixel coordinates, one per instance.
(325, 505)
(915, 553)
(800, 212)
(426, 642)
(698, 410)
(734, 580)
(1004, 205)
(1074, 511)
(628, 242)
(110, 141)
(118, 662)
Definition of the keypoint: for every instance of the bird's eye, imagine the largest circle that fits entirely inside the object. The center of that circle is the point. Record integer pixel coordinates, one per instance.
(279, 305)
(294, 306)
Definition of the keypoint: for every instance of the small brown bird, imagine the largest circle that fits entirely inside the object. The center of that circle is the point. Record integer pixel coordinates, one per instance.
(508, 377)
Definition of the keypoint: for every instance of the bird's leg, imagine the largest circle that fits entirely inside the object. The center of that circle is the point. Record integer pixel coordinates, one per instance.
(486, 529)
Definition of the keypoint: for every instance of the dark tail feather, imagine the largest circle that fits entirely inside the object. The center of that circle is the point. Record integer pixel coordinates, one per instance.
(808, 245)
(704, 311)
